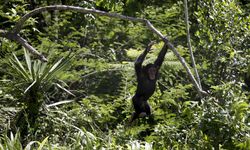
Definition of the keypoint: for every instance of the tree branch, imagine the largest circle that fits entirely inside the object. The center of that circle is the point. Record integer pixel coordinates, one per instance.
(189, 44)
(31, 49)
(23, 42)
(20, 23)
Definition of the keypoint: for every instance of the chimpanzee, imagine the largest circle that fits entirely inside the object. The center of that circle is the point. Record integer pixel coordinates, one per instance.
(146, 82)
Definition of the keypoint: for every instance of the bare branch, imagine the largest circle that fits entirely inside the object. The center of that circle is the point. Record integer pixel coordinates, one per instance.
(31, 49)
(23, 42)
(73, 8)
(113, 15)
(189, 44)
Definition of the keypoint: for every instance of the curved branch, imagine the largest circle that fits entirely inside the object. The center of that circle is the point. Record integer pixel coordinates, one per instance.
(20, 23)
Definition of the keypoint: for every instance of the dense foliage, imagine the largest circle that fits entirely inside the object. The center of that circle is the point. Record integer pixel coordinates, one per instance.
(81, 98)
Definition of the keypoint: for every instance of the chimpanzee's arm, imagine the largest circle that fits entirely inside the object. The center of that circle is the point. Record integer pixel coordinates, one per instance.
(160, 58)
(140, 59)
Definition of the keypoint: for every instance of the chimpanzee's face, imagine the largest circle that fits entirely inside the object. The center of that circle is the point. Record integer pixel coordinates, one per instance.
(152, 73)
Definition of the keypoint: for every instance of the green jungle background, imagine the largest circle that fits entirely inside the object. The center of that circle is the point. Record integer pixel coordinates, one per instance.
(81, 98)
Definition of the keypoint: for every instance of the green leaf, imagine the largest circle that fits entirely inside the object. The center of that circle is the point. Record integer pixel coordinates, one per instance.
(31, 85)
(43, 143)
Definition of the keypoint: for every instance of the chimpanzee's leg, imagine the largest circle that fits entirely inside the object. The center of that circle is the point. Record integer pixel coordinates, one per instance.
(138, 104)
(139, 108)
(147, 108)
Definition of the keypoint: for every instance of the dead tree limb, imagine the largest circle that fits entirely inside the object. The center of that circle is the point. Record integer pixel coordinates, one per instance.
(189, 45)
(16, 37)
(20, 24)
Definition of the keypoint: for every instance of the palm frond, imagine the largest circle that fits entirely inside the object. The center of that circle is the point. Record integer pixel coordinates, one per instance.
(18, 68)
(36, 72)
